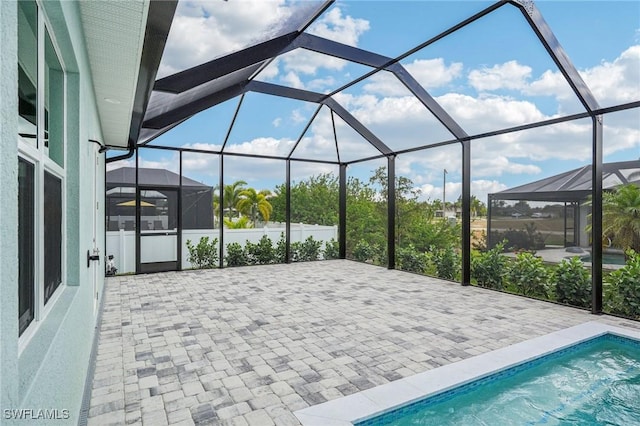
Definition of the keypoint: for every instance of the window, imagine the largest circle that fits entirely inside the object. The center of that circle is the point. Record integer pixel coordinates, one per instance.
(26, 246)
(41, 174)
(53, 104)
(52, 234)
(27, 71)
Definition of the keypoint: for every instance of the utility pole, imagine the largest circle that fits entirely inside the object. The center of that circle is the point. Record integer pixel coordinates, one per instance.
(444, 185)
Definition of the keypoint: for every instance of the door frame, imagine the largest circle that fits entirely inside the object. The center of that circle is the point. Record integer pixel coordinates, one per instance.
(146, 267)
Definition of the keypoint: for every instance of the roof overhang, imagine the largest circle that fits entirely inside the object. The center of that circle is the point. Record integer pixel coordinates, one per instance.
(574, 185)
(124, 42)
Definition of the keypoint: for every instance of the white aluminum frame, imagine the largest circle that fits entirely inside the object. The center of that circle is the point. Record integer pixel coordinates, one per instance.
(38, 155)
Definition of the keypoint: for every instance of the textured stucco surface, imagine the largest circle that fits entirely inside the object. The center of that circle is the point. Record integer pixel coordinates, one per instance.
(50, 372)
(9, 208)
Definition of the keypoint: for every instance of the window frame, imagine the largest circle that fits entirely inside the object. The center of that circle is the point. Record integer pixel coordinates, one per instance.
(38, 156)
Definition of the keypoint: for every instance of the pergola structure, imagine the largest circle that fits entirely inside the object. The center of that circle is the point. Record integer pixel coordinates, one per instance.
(176, 98)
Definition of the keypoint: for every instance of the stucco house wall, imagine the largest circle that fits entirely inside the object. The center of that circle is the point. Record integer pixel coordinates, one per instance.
(49, 370)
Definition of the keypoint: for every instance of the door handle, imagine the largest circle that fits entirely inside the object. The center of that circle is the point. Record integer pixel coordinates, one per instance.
(91, 257)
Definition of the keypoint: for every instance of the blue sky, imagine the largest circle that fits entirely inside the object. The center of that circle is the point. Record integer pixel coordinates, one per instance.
(490, 75)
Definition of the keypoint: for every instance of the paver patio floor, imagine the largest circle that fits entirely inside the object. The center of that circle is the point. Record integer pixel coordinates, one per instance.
(251, 345)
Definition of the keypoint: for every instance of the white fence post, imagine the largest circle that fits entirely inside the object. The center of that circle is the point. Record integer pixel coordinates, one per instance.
(122, 251)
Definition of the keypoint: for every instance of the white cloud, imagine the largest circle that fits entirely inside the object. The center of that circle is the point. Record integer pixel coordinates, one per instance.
(308, 63)
(611, 83)
(203, 30)
(270, 72)
(166, 162)
(486, 113)
(343, 29)
(430, 73)
(276, 122)
(292, 79)
(499, 166)
(120, 163)
(335, 26)
(400, 122)
(509, 75)
(621, 132)
(257, 172)
(550, 83)
(324, 85)
(617, 81)
(297, 117)
(263, 146)
(479, 188)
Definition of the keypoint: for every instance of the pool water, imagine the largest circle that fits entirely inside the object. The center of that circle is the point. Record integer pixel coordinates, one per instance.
(593, 383)
(607, 259)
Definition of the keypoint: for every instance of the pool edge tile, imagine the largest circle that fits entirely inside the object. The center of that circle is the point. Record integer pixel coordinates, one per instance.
(343, 409)
(376, 401)
(310, 420)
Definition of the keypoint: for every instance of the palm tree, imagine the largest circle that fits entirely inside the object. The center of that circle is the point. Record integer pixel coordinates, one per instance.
(231, 196)
(621, 216)
(241, 223)
(477, 207)
(251, 203)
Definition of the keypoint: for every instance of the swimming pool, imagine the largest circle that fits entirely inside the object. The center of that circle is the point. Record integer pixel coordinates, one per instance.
(521, 365)
(594, 382)
(607, 259)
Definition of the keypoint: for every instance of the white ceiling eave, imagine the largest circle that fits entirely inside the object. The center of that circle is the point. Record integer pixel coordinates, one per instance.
(114, 36)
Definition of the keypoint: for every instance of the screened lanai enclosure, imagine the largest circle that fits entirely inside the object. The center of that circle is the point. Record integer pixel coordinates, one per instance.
(317, 146)
(557, 209)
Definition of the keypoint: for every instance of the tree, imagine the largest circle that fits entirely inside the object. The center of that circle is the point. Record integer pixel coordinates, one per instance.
(409, 211)
(231, 196)
(313, 200)
(366, 215)
(253, 203)
(522, 207)
(621, 216)
(478, 208)
(241, 223)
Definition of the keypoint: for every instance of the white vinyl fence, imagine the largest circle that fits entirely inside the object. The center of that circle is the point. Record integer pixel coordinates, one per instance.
(122, 244)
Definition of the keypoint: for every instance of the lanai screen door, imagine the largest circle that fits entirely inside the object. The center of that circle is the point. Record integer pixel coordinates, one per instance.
(157, 230)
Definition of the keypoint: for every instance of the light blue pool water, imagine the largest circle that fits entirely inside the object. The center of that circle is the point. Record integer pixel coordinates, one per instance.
(592, 383)
(607, 259)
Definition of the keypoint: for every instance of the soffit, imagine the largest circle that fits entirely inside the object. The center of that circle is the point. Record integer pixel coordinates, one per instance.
(114, 35)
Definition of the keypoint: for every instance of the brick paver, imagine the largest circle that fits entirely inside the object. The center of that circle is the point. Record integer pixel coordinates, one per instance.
(248, 346)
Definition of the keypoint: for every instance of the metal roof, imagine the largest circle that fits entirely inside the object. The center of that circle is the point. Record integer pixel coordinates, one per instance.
(573, 185)
(126, 176)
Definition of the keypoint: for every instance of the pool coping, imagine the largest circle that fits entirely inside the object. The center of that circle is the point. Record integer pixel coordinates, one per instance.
(360, 406)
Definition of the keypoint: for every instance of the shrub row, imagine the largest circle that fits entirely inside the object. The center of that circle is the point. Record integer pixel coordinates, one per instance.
(569, 282)
(441, 262)
(520, 239)
(205, 253)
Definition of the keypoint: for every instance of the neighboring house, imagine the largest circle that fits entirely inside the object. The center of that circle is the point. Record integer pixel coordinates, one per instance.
(158, 188)
(74, 77)
(169, 206)
(570, 190)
